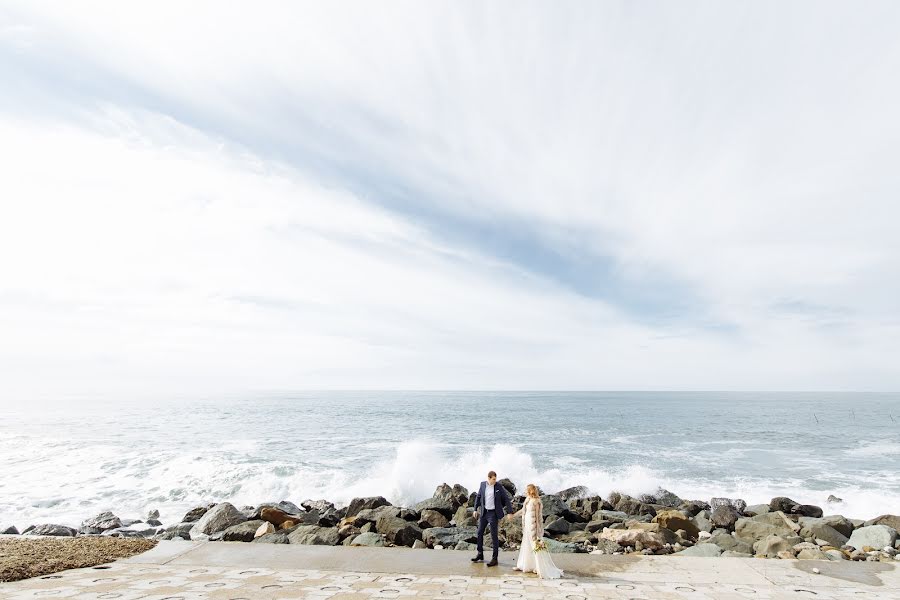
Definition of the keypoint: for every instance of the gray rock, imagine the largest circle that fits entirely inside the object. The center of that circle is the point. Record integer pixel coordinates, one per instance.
(153, 514)
(279, 537)
(812, 554)
(724, 516)
(736, 503)
(783, 504)
(51, 529)
(195, 513)
(180, 530)
(243, 532)
(398, 531)
(821, 531)
(368, 539)
(371, 515)
(418, 545)
(312, 535)
(151, 522)
(572, 493)
(726, 541)
(756, 509)
(633, 506)
(10, 530)
(508, 485)
(557, 526)
(465, 546)
(358, 504)
(556, 547)
(874, 536)
(702, 523)
(463, 517)
(456, 496)
(807, 510)
(760, 526)
(449, 536)
(771, 545)
(319, 506)
(892, 521)
(218, 518)
(838, 522)
(610, 515)
(432, 518)
(733, 554)
(706, 550)
(100, 523)
(438, 504)
(511, 531)
(666, 498)
(132, 532)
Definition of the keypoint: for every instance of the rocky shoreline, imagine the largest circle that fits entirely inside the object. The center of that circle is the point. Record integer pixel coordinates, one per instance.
(574, 521)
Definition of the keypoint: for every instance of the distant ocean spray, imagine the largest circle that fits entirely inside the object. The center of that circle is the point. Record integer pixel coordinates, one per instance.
(70, 462)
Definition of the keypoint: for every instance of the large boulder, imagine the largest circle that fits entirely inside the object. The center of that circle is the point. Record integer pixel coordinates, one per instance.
(756, 509)
(610, 515)
(807, 510)
(703, 550)
(633, 506)
(662, 497)
(511, 531)
(284, 506)
(313, 535)
(371, 515)
(840, 523)
(100, 523)
(218, 518)
(821, 531)
(398, 531)
(358, 504)
(10, 530)
(319, 506)
(702, 523)
(752, 529)
(724, 516)
(283, 520)
(456, 495)
(892, 521)
(572, 493)
(195, 513)
(674, 520)
(556, 525)
(728, 542)
(631, 537)
(508, 485)
(243, 532)
(51, 529)
(771, 545)
(463, 517)
(782, 504)
(873, 536)
(439, 504)
(432, 518)
(179, 530)
(736, 503)
(279, 537)
(368, 539)
(555, 547)
(448, 537)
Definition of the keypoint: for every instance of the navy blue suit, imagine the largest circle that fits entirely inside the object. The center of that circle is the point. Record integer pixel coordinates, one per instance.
(491, 517)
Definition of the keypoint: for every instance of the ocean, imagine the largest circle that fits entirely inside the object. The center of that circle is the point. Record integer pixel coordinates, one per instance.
(67, 461)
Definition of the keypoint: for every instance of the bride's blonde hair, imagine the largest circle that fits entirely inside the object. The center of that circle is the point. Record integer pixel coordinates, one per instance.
(531, 491)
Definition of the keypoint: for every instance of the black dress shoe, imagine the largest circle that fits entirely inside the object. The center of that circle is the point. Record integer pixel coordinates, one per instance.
(478, 558)
(493, 563)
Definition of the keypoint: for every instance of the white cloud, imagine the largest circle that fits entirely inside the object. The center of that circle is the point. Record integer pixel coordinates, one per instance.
(186, 221)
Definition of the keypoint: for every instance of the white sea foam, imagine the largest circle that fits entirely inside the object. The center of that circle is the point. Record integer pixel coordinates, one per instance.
(878, 448)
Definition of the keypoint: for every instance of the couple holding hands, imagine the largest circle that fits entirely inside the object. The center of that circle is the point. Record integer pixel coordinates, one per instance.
(490, 502)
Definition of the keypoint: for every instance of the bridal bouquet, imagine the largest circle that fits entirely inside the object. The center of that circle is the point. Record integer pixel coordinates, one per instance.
(540, 546)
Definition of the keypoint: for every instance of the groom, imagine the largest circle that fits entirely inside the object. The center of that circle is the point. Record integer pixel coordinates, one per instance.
(489, 504)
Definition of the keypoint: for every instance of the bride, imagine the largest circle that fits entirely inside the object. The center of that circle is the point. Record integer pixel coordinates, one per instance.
(531, 561)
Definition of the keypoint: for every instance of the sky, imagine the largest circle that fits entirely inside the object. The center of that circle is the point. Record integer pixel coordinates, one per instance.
(209, 197)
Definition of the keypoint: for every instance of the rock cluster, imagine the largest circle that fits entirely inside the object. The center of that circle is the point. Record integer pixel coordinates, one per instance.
(574, 521)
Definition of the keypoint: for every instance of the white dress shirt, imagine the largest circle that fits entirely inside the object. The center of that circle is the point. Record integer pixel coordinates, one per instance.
(489, 496)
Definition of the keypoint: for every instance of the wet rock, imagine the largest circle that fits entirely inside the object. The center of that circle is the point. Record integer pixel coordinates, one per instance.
(782, 504)
(319, 506)
(179, 530)
(51, 529)
(100, 523)
(243, 532)
(736, 503)
(218, 518)
(456, 496)
(724, 516)
(874, 536)
(10, 530)
(432, 518)
(195, 513)
(572, 493)
(368, 539)
(358, 504)
(807, 510)
(313, 535)
(508, 485)
(398, 531)
(152, 515)
(704, 550)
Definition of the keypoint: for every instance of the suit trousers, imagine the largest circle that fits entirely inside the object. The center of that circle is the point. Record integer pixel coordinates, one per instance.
(488, 518)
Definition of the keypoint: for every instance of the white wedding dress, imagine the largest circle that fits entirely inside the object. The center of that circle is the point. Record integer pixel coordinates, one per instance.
(529, 560)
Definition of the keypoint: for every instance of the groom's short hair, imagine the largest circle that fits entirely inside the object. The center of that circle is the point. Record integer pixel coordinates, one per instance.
(491, 474)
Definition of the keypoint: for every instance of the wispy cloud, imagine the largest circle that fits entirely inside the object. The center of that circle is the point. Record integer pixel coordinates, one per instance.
(460, 195)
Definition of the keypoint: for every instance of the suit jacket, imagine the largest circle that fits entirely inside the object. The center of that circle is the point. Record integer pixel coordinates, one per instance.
(501, 500)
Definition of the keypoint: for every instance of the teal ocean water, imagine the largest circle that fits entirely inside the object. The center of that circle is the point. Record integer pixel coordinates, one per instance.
(67, 462)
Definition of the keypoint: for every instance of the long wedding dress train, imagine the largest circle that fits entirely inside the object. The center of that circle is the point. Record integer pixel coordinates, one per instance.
(530, 561)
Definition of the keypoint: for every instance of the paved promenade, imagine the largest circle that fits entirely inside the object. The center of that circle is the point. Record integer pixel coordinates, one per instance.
(239, 571)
